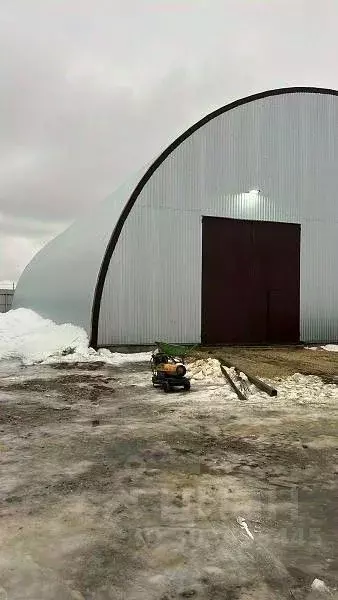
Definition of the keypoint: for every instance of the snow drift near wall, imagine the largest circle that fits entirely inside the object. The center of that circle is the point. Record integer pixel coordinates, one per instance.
(26, 336)
(29, 337)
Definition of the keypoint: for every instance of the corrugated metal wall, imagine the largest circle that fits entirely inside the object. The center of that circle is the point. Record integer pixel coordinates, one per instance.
(287, 147)
(6, 298)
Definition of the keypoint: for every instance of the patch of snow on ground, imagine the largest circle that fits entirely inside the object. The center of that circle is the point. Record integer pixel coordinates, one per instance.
(305, 389)
(301, 390)
(116, 359)
(330, 348)
(26, 336)
(327, 347)
(297, 389)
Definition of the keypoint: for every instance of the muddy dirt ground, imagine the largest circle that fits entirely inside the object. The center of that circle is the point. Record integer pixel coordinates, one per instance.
(278, 362)
(113, 490)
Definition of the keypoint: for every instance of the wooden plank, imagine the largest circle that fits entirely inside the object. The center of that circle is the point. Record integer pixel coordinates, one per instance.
(231, 383)
(261, 385)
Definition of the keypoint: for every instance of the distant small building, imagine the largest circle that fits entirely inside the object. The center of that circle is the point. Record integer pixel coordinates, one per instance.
(229, 237)
(6, 299)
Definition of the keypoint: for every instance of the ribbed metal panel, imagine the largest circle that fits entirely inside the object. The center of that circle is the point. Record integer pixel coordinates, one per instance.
(287, 147)
(156, 295)
(6, 299)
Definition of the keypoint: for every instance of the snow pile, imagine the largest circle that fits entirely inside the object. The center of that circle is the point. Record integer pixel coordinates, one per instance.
(26, 336)
(208, 371)
(29, 337)
(319, 586)
(306, 389)
(327, 347)
(330, 348)
(297, 389)
(116, 359)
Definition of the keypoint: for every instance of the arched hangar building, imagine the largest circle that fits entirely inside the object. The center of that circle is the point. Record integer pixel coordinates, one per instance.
(229, 236)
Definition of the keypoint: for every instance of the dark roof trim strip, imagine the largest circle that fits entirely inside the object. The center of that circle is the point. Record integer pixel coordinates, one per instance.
(155, 165)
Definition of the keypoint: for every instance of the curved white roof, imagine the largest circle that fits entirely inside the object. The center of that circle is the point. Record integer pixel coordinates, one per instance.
(59, 283)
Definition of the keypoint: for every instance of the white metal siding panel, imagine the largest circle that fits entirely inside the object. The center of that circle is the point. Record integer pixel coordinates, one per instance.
(319, 281)
(156, 295)
(286, 146)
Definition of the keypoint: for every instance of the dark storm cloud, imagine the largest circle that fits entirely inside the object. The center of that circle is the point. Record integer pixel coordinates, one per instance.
(90, 91)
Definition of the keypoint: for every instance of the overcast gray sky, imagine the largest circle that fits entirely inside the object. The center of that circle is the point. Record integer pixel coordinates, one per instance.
(90, 90)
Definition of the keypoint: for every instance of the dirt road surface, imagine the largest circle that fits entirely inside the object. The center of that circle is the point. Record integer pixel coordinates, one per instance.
(113, 490)
(278, 362)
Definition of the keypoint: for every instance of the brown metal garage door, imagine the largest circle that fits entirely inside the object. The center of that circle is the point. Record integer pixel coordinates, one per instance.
(250, 282)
